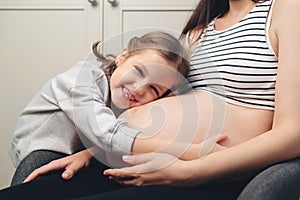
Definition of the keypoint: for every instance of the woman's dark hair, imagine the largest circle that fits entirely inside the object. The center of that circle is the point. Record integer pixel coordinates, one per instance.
(205, 12)
(164, 44)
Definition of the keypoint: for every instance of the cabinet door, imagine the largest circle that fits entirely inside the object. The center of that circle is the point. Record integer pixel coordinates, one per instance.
(39, 39)
(126, 18)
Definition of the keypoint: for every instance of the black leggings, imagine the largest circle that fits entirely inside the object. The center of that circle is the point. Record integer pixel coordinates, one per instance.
(33, 161)
(90, 184)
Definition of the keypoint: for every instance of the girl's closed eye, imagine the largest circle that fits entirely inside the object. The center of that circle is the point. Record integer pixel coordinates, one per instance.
(155, 90)
(140, 70)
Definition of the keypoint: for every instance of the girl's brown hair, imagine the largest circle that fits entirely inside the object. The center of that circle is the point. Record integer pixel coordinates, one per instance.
(205, 12)
(163, 43)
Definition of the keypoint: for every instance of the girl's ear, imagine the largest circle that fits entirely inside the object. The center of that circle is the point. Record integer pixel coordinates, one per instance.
(121, 57)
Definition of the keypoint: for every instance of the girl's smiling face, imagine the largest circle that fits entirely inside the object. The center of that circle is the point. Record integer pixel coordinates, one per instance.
(141, 78)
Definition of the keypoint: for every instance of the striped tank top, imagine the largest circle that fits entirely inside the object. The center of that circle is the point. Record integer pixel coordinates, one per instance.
(238, 64)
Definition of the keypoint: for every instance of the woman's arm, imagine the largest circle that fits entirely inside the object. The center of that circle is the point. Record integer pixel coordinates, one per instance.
(279, 144)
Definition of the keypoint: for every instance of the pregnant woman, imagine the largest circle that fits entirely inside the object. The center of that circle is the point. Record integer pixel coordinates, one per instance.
(245, 60)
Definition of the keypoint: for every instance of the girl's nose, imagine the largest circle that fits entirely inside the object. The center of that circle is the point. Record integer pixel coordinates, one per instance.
(139, 88)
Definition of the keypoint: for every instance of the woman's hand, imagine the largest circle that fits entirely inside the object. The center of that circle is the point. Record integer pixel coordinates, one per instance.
(71, 164)
(160, 168)
(152, 169)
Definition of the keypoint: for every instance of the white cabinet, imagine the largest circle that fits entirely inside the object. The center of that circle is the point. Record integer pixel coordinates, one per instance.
(41, 38)
(38, 39)
(127, 18)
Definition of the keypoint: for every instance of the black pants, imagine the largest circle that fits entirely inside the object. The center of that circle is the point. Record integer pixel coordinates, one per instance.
(90, 184)
(33, 161)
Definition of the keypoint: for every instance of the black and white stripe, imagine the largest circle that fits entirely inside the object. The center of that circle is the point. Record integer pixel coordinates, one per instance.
(237, 64)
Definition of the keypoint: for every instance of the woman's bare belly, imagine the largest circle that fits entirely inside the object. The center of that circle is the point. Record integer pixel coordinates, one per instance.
(197, 117)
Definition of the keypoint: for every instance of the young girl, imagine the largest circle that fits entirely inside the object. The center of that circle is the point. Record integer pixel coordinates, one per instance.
(255, 44)
(73, 109)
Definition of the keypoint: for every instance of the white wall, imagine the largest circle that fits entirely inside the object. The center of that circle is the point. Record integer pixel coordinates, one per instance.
(38, 39)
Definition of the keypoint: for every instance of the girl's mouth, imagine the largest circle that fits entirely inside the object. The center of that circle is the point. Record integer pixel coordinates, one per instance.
(127, 94)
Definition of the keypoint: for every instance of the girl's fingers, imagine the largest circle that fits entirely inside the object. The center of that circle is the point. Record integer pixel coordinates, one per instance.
(71, 170)
(32, 176)
(52, 166)
(68, 174)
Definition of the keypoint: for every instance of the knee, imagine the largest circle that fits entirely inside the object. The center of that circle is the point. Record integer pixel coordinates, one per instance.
(280, 182)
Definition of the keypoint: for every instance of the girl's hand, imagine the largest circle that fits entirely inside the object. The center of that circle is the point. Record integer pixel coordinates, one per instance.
(151, 169)
(72, 164)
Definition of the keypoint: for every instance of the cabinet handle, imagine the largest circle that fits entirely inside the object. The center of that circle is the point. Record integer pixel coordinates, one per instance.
(113, 2)
(93, 2)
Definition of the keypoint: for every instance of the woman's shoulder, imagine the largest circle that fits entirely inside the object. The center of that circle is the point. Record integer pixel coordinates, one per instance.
(286, 8)
(192, 37)
(285, 14)
(286, 2)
